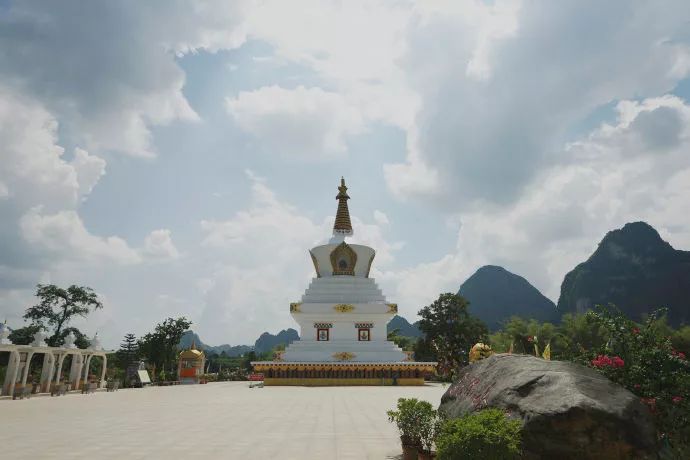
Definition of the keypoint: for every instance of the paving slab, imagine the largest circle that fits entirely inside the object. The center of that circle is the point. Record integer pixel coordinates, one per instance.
(225, 420)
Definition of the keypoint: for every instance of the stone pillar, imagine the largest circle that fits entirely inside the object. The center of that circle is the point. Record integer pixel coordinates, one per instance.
(61, 360)
(11, 376)
(85, 374)
(105, 365)
(47, 371)
(27, 366)
(75, 370)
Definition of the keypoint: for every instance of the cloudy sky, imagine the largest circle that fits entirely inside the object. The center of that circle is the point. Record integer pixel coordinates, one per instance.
(180, 157)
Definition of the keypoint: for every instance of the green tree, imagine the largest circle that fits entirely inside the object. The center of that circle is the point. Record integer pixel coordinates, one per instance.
(405, 343)
(450, 331)
(58, 306)
(522, 335)
(579, 333)
(247, 360)
(681, 339)
(160, 347)
(128, 352)
(24, 335)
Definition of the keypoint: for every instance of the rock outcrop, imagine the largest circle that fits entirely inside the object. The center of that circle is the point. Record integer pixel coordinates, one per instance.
(568, 411)
(634, 269)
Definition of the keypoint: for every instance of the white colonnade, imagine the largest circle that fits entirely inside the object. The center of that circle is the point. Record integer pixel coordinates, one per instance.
(20, 358)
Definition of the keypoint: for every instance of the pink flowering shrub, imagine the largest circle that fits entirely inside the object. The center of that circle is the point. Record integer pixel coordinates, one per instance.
(640, 358)
(602, 361)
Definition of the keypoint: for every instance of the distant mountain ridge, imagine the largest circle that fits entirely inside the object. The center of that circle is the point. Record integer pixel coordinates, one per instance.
(495, 294)
(266, 341)
(635, 269)
(404, 327)
(190, 337)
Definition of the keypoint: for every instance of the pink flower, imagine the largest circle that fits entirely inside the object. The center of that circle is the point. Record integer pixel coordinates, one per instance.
(676, 399)
(605, 361)
(602, 361)
(637, 386)
(681, 355)
(530, 339)
(636, 330)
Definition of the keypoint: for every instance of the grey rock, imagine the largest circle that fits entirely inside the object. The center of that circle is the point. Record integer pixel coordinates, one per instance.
(568, 411)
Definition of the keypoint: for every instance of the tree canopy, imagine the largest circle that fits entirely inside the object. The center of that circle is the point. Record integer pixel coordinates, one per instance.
(160, 346)
(449, 332)
(54, 311)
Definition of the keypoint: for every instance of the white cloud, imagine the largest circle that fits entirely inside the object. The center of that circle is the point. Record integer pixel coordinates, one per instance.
(63, 235)
(380, 217)
(355, 61)
(33, 168)
(89, 169)
(502, 86)
(108, 68)
(299, 123)
(158, 245)
(261, 265)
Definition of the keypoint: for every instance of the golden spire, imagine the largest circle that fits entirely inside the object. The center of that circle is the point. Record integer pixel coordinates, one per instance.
(193, 347)
(342, 223)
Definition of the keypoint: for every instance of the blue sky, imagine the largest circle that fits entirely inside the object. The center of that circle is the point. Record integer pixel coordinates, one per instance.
(181, 157)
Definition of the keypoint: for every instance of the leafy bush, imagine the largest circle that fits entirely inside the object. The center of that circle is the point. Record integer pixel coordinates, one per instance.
(642, 358)
(487, 434)
(429, 426)
(210, 377)
(567, 339)
(408, 418)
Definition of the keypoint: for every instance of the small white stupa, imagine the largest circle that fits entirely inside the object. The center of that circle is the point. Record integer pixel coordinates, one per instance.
(342, 317)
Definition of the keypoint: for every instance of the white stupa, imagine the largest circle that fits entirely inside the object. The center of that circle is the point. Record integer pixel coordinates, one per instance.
(342, 317)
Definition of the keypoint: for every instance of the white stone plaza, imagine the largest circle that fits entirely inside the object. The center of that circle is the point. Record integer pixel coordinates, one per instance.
(225, 420)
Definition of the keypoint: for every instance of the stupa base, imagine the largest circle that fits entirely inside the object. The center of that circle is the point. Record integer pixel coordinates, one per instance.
(335, 382)
(329, 373)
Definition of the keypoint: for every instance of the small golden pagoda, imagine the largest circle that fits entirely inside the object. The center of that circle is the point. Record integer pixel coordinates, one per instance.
(190, 365)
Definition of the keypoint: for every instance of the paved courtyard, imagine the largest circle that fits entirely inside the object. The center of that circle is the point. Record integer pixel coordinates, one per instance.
(225, 420)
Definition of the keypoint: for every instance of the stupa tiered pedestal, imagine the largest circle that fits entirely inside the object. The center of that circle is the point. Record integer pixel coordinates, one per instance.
(342, 318)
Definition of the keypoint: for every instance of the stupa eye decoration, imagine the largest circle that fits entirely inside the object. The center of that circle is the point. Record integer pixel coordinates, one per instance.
(343, 260)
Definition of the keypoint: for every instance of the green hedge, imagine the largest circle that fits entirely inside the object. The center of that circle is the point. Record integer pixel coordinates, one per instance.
(487, 435)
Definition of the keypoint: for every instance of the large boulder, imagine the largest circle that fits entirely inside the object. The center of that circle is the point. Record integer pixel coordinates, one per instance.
(568, 411)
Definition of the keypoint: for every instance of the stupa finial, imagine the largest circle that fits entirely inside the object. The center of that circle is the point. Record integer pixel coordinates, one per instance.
(342, 225)
(193, 347)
